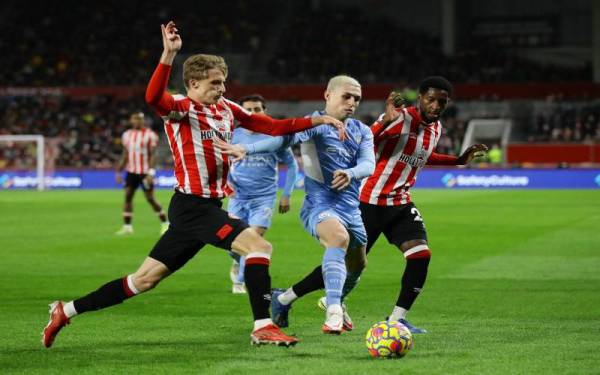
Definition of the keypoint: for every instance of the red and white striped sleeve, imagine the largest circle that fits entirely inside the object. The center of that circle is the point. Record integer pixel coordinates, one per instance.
(264, 124)
(156, 92)
(442, 159)
(167, 106)
(381, 132)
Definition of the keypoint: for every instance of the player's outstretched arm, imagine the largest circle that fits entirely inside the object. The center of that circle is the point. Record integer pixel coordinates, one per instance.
(236, 152)
(471, 153)
(465, 158)
(239, 151)
(262, 123)
(393, 109)
(156, 92)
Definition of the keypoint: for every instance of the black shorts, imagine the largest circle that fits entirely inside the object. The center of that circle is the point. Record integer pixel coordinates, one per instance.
(133, 180)
(194, 222)
(398, 223)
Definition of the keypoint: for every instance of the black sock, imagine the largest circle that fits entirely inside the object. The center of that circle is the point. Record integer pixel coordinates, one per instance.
(313, 281)
(413, 280)
(258, 284)
(109, 294)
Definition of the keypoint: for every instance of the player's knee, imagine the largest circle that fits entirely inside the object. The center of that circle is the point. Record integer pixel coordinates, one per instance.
(338, 238)
(258, 244)
(262, 246)
(145, 282)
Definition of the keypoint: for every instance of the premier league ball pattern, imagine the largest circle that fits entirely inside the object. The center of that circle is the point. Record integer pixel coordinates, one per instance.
(389, 340)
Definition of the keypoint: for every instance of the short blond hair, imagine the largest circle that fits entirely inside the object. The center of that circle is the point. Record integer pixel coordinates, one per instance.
(340, 80)
(197, 67)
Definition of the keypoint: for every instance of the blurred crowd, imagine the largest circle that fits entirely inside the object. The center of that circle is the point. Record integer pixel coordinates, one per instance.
(72, 45)
(115, 42)
(79, 133)
(382, 50)
(118, 42)
(564, 121)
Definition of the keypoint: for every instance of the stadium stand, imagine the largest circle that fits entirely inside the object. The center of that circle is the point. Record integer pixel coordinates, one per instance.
(273, 44)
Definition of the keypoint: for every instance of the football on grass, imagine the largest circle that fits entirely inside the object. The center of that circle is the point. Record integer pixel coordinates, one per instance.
(389, 340)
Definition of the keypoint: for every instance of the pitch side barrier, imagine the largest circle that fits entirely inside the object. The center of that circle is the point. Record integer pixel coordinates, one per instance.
(428, 178)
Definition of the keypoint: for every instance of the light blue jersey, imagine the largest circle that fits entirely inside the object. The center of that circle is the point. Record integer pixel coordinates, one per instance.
(254, 181)
(322, 154)
(256, 175)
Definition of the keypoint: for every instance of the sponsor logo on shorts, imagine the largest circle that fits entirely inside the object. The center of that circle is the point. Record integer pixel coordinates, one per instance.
(224, 231)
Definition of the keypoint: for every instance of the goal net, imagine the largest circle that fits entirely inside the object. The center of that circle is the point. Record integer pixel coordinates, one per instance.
(488, 131)
(22, 161)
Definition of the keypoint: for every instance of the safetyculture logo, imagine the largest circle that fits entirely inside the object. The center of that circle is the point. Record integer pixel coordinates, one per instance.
(474, 180)
(5, 181)
(449, 180)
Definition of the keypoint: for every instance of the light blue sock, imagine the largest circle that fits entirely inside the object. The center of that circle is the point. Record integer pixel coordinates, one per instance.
(242, 263)
(351, 280)
(334, 274)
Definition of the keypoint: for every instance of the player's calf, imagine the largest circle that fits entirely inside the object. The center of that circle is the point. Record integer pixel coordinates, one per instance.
(417, 257)
(109, 294)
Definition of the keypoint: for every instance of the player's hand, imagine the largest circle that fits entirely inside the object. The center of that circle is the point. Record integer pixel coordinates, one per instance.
(119, 178)
(341, 180)
(325, 119)
(471, 153)
(236, 152)
(393, 106)
(284, 205)
(171, 39)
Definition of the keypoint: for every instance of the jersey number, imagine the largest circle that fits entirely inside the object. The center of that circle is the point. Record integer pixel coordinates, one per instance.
(417, 214)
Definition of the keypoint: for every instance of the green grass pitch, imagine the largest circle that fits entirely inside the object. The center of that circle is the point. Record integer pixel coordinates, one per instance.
(513, 288)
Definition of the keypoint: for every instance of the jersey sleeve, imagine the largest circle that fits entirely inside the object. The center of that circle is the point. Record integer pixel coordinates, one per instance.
(442, 159)
(365, 162)
(381, 132)
(267, 125)
(156, 92)
(287, 157)
(266, 145)
(307, 134)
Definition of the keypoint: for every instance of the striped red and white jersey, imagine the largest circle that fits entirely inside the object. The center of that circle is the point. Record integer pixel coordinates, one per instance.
(200, 168)
(138, 144)
(401, 150)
